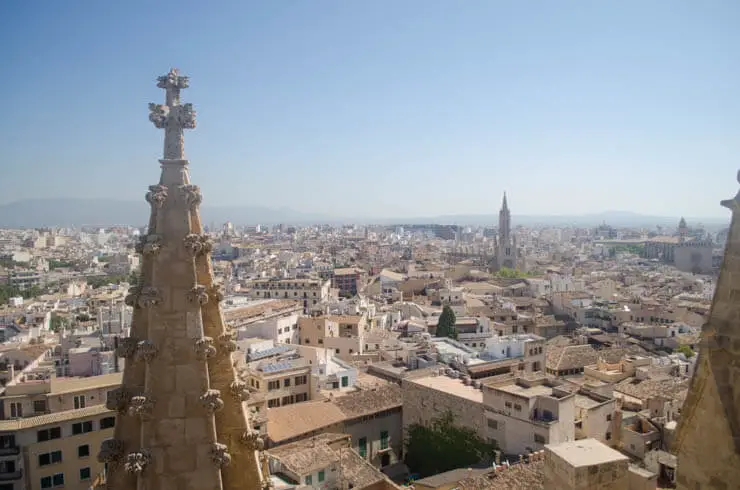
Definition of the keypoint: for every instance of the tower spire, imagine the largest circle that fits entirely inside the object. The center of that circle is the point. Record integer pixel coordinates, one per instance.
(182, 421)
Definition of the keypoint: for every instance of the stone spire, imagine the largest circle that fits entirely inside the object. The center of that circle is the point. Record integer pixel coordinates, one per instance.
(708, 438)
(182, 422)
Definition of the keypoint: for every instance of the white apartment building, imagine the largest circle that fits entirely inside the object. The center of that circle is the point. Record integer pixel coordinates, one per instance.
(529, 348)
(281, 330)
(525, 415)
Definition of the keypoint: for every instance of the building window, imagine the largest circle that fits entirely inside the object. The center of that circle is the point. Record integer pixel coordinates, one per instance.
(286, 382)
(517, 407)
(345, 381)
(79, 401)
(608, 436)
(82, 427)
(362, 445)
(273, 385)
(53, 481)
(287, 400)
(107, 422)
(274, 403)
(301, 380)
(507, 404)
(39, 406)
(50, 458)
(49, 434)
(309, 480)
(608, 417)
(384, 439)
(16, 410)
(493, 424)
(84, 473)
(539, 439)
(321, 476)
(83, 451)
(301, 397)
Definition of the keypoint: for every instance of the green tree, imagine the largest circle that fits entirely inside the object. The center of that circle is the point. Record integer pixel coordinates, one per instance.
(58, 322)
(506, 273)
(685, 350)
(446, 324)
(443, 446)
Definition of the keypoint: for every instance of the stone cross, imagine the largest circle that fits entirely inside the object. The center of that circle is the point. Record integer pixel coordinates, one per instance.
(172, 116)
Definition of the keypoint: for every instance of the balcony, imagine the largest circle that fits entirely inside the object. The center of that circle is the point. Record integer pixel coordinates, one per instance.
(12, 475)
(10, 451)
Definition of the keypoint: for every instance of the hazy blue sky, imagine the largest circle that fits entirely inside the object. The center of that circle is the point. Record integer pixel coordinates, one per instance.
(382, 107)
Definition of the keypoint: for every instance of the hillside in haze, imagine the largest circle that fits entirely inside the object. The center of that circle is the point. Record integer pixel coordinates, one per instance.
(35, 213)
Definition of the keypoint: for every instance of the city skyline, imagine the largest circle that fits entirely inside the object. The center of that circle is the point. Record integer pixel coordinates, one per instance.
(396, 109)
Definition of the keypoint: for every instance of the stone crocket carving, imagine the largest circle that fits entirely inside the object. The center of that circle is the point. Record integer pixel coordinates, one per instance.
(146, 350)
(198, 295)
(211, 401)
(149, 245)
(111, 451)
(204, 348)
(126, 347)
(157, 195)
(197, 244)
(132, 298)
(252, 440)
(158, 115)
(137, 462)
(239, 390)
(117, 399)
(220, 455)
(192, 194)
(141, 406)
(226, 341)
(215, 292)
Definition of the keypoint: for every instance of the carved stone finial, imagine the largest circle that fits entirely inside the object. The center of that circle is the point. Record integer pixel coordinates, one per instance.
(239, 390)
(211, 401)
(117, 399)
(215, 292)
(149, 297)
(157, 195)
(126, 347)
(198, 295)
(141, 406)
(220, 455)
(149, 245)
(173, 80)
(192, 194)
(197, 244)
(146, 350)
(253, 441)
(111, 451)
(137, 462)
(204, 348)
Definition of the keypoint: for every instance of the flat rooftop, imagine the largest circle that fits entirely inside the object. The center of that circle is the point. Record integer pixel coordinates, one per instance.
(452, 386)
(525, 391)
(586, 452)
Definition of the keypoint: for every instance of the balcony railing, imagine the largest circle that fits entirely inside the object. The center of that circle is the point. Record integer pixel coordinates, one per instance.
(12, 475)
(10, 451)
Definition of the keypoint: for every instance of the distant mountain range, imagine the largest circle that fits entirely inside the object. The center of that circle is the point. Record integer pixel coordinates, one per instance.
(35, 213)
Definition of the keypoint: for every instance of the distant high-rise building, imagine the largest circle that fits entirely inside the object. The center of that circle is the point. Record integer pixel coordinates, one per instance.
(506, 255)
